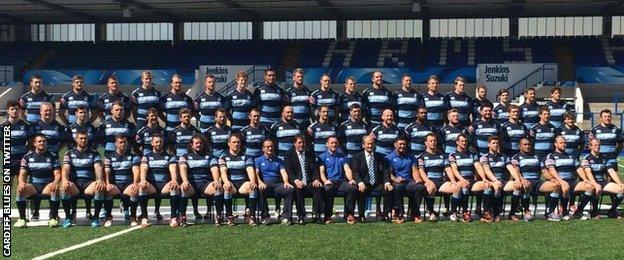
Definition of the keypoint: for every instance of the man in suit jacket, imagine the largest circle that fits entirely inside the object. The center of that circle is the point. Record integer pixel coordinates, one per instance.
(370, 172)
(301, 166)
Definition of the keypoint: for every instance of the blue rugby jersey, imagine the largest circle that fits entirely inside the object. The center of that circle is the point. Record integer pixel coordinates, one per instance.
(481, 131)
(207, 104)
(284, 134)
(375, 101)
(74, 128)
(476, 105)
(218, 138)
(327, 98)
(500, 113)
(270, 100)
(498, 165)
(239, 104)
(143, 100)
(511, 135)
(529, 164)
(557, 110)
(543, 137)
(436, 108)
(575, 139)
(71, 101)
(334, 165)
(253, 137)
(21, 132)
(465, 163)
(236, 165)
(105, 103)
(433, 164)
(417, 133)
(564, 164)
(448, 137)
(402, 164)
(462, 102)
(82, 164)
(299, 99)
(269, 168)
(40, 167)
(143, 137)
(529, 114)
(180, 137)
(32, 102)
(319, 132)
(351, 134)
(599, 166)
(346, 100)
(406, 104)
(198, 166)
(171, 104)
(158, 166)
(55, 133)
(385, 137)
(120, 166)
(111, 128)
(609, 137)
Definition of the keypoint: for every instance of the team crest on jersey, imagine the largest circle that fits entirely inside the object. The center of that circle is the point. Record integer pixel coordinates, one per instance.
(106, 100)
(140, 94)
(349, 127)
(280, 128)
(248, 133)
(179, 133)
(480, 126)
(214, 133)
(108, 125)
(29, 99)
(71, 98)
(169, 99)
(539, 130)
(31, 159)
(262, 91)
(598, 131)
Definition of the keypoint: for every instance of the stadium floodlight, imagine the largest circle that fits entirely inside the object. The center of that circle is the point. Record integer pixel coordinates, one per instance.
(127, 12)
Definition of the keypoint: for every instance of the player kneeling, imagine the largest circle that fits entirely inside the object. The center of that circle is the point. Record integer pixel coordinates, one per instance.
(81, 176)
(159, 175)
(44, 172)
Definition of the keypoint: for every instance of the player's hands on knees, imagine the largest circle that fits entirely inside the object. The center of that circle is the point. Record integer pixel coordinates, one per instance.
(99, 185)
(185, 185)
(525, 184)
(134, 188)
(173, 185)
(288, 185)
(299, 184)
(64, 185)
(517, 185)
(262, 185)
(227, 186)
(21, 187)
(143, 185)
(388, 186)
(463, 183)
(317, 183)
(565, 187)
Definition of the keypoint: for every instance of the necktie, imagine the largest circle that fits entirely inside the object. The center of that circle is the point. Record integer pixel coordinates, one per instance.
(371, 170)
(304, 172)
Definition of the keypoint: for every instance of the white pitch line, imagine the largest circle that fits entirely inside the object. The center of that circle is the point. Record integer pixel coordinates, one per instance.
(6, 91)
(88, 243)
(619, 164)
